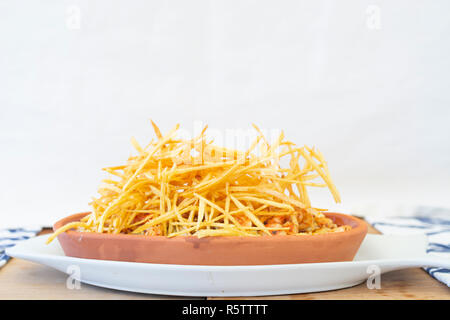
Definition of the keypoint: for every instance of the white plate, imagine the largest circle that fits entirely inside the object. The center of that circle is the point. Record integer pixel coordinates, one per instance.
(377, 253)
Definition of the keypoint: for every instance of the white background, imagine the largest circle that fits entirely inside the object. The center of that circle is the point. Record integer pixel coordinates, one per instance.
(367, 82)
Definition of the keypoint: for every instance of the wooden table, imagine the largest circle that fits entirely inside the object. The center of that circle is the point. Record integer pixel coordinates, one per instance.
(20, 279)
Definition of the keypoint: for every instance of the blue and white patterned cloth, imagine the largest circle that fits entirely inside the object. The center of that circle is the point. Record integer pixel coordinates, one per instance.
(434, 222)
(9, 237)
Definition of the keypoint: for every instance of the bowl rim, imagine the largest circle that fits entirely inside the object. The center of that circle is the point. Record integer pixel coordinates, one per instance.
(360, 226)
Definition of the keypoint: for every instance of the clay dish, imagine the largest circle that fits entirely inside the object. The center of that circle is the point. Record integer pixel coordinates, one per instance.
(222, 251)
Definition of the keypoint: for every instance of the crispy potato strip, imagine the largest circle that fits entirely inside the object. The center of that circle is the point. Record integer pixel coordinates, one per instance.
(175, 187)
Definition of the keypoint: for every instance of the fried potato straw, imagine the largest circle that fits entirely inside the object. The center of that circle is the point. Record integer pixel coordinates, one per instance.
(175, 187)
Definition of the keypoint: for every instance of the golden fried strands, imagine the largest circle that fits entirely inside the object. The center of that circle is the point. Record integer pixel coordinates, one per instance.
(175, 187)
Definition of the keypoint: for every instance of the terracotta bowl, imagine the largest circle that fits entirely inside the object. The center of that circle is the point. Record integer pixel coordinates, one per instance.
(223, 251)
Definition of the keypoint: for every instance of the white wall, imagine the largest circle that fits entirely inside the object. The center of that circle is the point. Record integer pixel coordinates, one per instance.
(367, 82)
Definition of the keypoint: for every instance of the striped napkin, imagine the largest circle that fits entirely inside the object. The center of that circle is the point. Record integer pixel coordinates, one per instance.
(434, 222)
(9, 237)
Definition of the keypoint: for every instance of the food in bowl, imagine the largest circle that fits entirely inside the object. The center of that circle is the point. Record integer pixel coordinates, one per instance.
(216, 251)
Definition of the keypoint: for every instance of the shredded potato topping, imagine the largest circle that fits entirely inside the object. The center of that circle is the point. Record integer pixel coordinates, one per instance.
(175, 187)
